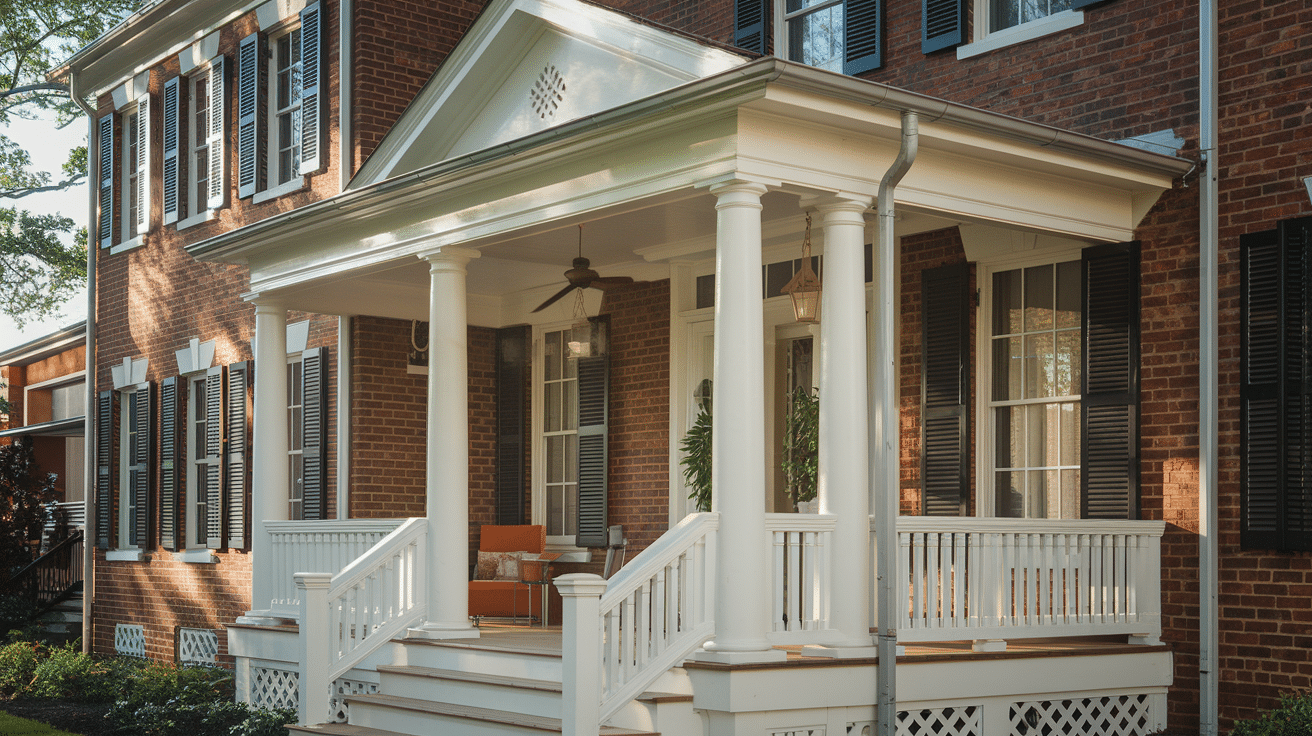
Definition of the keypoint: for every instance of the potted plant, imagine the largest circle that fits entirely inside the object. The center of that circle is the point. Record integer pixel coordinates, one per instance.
(801, 448)
(696, 462)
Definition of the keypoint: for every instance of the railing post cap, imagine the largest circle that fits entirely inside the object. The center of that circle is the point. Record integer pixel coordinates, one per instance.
(308, 580)
(579, 584)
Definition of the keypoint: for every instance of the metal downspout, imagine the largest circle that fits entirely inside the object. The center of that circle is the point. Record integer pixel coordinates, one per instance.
(1208, 380)
(884, 438)
(89, 516)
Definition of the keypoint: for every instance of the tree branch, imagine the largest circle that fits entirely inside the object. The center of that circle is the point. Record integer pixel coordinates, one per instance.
(37, 87)
(20, 193)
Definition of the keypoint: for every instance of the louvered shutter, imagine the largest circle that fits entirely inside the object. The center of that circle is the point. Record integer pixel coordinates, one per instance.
(105, 225)
(214, 404)
(1109, 411)
(143, 164)
(863, 35)
(217, 136)
(250, 57)
(944, 24)
(594, 390)
(312, 87)
(945, 390)
(751, 24)
(237, 454)
(512, 377)
(172, 462)
(139, 475)
(171, 115)
(106, 467)
(314, 393)
(1275, 489)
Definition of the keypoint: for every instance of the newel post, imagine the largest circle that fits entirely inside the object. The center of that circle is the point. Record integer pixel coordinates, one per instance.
(580, 649)
(314, 636)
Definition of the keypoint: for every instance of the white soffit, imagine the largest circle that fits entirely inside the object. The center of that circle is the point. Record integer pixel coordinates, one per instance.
(530, 65)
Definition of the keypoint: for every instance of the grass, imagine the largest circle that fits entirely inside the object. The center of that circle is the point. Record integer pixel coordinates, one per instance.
(15, 726)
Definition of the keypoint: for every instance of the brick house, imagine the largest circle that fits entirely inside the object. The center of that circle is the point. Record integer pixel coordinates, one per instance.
(300, 202)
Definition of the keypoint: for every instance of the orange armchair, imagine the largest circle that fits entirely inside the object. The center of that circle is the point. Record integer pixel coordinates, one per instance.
(506, 597)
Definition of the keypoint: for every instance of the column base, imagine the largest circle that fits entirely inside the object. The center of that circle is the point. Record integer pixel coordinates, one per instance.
(834, 652)
(719, 656)
(440, 631)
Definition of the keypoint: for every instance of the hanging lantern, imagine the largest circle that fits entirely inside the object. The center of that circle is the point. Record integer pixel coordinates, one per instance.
(805, 286)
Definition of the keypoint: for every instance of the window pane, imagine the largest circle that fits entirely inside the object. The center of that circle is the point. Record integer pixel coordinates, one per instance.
(1037, 495)
(1067, 368)
(817, 38)
(1040, 366)
(1069, 296)
(1070, 494)
(571, 458)
(1036, 436)
(571, 494)
(1006, 303)
(1009, 427)
(552, 406)
(1038, 298)
(569, 405)
(555, 511)
(1010, 494)
(555, 459)
(551, 351)
(1070, 434)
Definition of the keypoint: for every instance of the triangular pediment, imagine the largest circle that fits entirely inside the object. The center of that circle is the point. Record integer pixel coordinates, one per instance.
(529, 65)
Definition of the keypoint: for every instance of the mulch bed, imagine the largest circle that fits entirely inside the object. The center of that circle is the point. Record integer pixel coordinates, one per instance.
(87, 719)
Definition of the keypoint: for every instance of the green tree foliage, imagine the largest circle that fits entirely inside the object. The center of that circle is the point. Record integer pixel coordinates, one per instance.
(41, 266)
(23, 490)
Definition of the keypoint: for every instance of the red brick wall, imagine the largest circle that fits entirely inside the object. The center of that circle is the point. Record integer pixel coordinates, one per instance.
(712, 19)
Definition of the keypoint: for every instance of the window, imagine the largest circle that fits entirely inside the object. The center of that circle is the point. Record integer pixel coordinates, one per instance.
(132, 149)
(1005, 14)
(194, 144)
(814, 29)
(1275, 306)
(123, 505)
(560, 429)
(1001, 23)
(1034, 401)
(132, 169)
(306, 463)
(204, 440)
(279, 109)
(839, 35)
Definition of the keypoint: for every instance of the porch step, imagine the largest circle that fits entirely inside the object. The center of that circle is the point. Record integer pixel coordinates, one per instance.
(468, 655)
(386, 714)
(474, 689)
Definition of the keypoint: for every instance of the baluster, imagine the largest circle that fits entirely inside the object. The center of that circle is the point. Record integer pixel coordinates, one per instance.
(824, 571)
(613, 658)
(778, 589)
(1012, 579)
(806, 584)
(959, 612)
(1067, 557)
(629, 634)
(1121, 588)
(678, 601)
(1030, 589)
(1048, 585)
(1096, 596)
(1134, 557)
(904, 595)
(658, 617)
(933, 579)
(975, 554)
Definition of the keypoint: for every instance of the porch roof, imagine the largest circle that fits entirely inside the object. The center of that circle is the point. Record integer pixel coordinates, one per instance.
(641, 171)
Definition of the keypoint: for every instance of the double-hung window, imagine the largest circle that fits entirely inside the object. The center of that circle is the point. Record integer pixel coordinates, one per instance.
(125, 451)
(195, 115)
(1000, 23)
(124, 157)
(839, 35)
(280, 131)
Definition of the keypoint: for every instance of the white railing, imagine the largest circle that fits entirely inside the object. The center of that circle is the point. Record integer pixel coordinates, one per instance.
(982, 579)
(801, 569)
(347, 616)
(315, 546)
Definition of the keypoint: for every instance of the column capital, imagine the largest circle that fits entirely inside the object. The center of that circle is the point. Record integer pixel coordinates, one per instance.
(449, 255)
(746, 186)
(838, 202)
(265, 303)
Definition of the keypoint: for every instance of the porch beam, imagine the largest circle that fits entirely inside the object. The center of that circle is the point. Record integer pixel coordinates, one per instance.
(844, 423)
(270, 484)
(738, 442)
(447, 448)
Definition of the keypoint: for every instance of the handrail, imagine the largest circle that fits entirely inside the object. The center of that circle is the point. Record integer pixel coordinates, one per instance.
(315, 546)
(348, 616)
(50, 577)
(656, 610)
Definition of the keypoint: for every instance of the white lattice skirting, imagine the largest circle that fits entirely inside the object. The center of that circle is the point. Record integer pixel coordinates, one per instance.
(338, 707)
(130, 640)
(197, 646)
(961, 720)
(1118, 715)
(275, 688)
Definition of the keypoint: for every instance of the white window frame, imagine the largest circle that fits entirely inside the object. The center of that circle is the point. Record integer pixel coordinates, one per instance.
(984, 39)
(128, 141)
(985, 436)
(192, 550)
(197, 200)
(295, 425)
(566, 542)
(125, 550)
(781, 27)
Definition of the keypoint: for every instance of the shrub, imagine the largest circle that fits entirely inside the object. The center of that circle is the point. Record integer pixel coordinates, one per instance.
(18, 616)
(17, 666)
(68, 673)
(212, 718)
(1292, 718)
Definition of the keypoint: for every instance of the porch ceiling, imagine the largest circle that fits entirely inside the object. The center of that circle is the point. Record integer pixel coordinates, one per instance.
(637, 179)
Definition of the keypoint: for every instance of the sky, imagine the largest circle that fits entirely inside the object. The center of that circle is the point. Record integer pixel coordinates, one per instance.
(49, 147)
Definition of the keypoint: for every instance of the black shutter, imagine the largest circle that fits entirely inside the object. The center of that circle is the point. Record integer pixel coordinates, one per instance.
(139, 475)
(172, 115)
(314, 383)
(213, 521)
(250, 57)
(172, 463)
(105, 221)
(945, 390)
(751, 24)
(1276, 500)
(863, 35)
(944, 24)
(512, 375)
(237, 453)
(106, 467)
(594, 390)
(1109, 411)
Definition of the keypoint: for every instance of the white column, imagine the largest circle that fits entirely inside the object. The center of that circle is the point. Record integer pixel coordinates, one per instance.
(844, 424)
(448, 448)
(738, 443)
(270, 484)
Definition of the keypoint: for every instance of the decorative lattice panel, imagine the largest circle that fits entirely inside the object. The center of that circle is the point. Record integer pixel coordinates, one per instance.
(275, 688)
(861, 728)
(339, 708)
(802, 731)
(548, 92)
(1117, 715)
(130, 640)
(961, 720)
(197, 646)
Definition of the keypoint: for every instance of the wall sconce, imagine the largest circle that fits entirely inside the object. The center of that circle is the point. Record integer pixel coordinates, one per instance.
(805, 286)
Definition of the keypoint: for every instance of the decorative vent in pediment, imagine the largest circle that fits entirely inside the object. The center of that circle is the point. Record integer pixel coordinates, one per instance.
(548, 92)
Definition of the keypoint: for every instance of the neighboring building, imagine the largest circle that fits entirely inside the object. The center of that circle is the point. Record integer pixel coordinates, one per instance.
(329, 298)
(44, 381)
